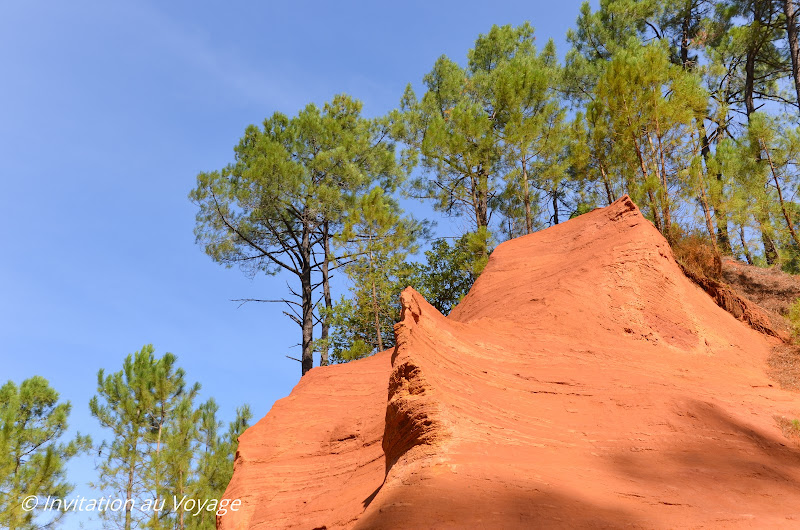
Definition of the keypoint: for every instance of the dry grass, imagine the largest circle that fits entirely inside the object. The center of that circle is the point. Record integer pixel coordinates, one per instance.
(784, 366)
(771, 288)
(701, 264)
(762, 297)
(694, 253)
(775, 291)
(790, 428)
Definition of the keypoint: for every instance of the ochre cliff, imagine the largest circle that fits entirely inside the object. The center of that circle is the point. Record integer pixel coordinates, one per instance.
(583, 382)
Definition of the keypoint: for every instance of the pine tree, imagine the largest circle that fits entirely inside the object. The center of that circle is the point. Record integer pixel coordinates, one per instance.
(779, 147)
(378, 240)
(217, 451)
(32, 457)
(445, 277)
(179, 456)
(790, 12)
(454, 129)
(170, 398)
(163, 446)
(136, 404)
(649, 107)
(763, 161)
(598, 35)
(275, 207)
(532, 127)
(213, 469)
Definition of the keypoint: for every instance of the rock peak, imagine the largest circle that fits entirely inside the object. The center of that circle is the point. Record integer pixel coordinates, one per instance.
(583, 381)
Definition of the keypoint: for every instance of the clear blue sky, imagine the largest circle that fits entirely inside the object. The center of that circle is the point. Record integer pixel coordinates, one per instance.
(108, 110)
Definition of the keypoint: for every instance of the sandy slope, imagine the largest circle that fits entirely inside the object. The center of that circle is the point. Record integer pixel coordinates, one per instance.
(583, 382)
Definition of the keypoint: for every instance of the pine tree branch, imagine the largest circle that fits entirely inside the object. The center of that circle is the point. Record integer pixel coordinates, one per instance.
(235, 230)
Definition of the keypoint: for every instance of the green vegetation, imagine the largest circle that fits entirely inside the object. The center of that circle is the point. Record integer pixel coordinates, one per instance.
(357, 322)
(446, 276)
(163, 446)
(294, 183)
(377, 240)
(790, 428)
(32, 459)
(689, 107)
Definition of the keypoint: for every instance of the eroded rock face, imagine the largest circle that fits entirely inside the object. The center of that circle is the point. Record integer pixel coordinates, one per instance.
(584, 381)
(314, 459)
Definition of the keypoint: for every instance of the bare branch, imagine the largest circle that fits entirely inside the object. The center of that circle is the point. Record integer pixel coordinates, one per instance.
(246, 300)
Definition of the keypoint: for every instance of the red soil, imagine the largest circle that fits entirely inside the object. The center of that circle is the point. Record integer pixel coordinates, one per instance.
(583, 382)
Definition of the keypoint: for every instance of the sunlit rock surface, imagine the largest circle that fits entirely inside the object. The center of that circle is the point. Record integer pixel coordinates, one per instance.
(584, 381)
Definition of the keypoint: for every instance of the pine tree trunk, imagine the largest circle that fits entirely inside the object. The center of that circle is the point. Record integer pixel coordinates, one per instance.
(723, 239)
(794, 47)
(746, 250)
(307, 301)
(770, 252)
(555, 206)
(129, 494)
(375, 306)
(650, 196)
(780, 196)
(181, 524)
(158, 468)
(662, 173)
(653, 208)
(376, 312)
(15, 483)
(482, 200)
(609, 195)
(527, 200)
(685, 36)
(749, 80)
(326, 292)
(709, 221)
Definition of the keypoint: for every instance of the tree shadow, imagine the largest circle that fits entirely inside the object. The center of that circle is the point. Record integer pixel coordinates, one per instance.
(454, 502)
(722, 454)
(371, 497)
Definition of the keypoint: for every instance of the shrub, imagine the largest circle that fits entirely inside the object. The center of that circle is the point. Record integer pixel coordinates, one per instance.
(696, 253)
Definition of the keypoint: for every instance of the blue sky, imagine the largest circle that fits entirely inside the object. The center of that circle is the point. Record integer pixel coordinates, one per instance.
(108, 110)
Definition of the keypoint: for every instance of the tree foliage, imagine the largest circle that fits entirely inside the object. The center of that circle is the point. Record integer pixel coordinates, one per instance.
(446, 275)
(290, 187)
(690, 107)
(33, 456)
(162, 444)
(378, 239)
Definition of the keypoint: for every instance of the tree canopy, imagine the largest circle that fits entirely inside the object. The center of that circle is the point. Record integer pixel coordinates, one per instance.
(33, 457)
(293, 182)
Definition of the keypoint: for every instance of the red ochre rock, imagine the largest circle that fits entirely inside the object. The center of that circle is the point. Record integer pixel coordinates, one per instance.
(583, 382)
